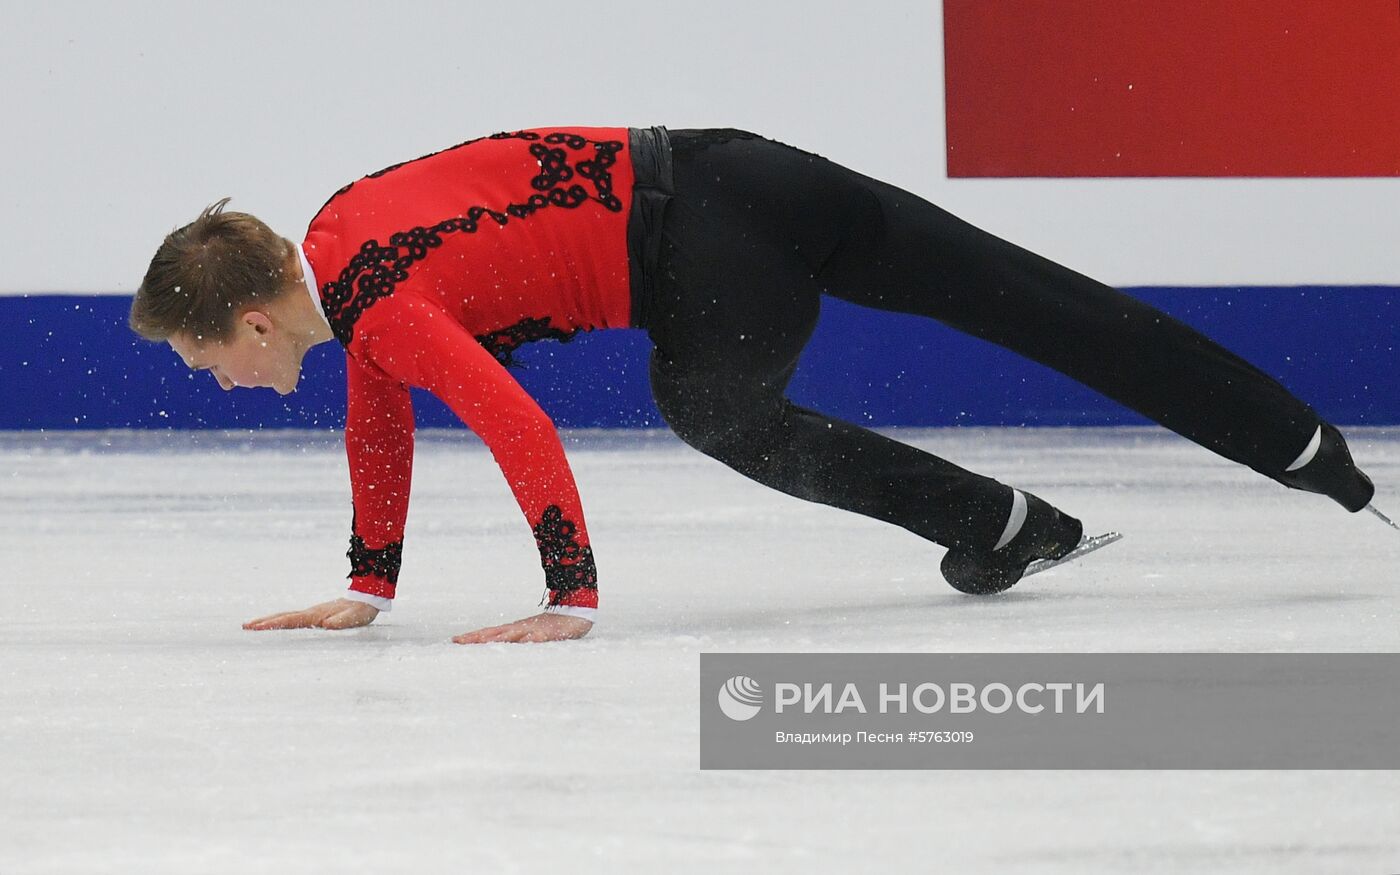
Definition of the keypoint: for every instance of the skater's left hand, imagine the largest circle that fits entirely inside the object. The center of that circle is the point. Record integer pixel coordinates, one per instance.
(541, 627)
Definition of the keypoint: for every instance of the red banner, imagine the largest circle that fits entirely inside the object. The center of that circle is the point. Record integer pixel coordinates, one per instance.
(1172, 87)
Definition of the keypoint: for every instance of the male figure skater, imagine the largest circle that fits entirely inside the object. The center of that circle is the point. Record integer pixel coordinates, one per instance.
(719, 243)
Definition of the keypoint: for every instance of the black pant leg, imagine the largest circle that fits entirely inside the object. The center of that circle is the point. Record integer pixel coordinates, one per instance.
(918, 258)
(755, 430)
(737, 299)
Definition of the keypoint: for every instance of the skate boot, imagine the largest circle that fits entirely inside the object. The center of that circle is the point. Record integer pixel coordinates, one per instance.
(1035, 530)
(1325, 467)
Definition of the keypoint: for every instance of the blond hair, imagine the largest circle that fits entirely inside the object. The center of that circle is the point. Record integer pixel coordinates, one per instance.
(204, 273)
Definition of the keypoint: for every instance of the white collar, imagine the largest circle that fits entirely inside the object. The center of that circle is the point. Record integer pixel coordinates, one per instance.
(309, 278)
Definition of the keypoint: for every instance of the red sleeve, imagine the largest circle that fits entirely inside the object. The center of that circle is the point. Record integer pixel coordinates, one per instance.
(416, 342)
(379, 448)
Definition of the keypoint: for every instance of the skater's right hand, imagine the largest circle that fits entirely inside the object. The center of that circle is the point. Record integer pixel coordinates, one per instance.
(339, 614)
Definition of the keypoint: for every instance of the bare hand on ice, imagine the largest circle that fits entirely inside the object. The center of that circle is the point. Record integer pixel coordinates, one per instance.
(541, 627)
(338, 614)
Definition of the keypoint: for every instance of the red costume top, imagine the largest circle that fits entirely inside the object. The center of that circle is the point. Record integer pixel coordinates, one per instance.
(430, 273)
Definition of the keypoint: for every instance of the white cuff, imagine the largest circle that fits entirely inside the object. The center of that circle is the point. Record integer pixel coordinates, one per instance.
(373, 601)
(1308, 452)
(589, 614)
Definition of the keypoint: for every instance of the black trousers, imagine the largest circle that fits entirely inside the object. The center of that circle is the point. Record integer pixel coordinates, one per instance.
(758, 231)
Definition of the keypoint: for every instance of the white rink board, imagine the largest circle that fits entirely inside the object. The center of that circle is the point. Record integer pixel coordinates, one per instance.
(127, 126)
(143, 731)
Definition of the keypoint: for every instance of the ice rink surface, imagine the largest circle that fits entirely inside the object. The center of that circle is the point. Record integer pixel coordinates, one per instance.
(143, 731)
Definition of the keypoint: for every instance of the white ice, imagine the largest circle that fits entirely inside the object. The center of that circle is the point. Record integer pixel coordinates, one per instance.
(143, 731)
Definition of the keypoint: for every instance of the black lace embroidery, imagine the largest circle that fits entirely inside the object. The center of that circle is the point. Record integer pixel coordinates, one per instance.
(567, 566)
(554, 167)
(383, 563)
(376, 269)
(503, 342)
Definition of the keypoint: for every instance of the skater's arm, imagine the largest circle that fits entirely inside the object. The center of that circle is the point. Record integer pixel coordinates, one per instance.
(379, 449)
(418, 343)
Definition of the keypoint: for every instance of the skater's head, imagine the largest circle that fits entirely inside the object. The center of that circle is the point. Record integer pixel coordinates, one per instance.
(227, 293)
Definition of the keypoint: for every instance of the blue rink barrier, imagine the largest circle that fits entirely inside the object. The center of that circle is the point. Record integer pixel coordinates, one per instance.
(69, 362)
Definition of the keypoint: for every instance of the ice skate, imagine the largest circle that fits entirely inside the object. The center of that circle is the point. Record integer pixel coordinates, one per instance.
(1035, 530)
(1326, 467)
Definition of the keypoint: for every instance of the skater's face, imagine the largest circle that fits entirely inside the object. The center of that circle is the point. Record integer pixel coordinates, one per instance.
(256, 353)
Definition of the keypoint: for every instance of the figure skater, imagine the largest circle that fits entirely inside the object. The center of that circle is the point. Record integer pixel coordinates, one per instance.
(719, 243)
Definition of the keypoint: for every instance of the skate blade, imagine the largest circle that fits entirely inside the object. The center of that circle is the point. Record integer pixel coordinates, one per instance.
(1085, 547)
(1385, 519)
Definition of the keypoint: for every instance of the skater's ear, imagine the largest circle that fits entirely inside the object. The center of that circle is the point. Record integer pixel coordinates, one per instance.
(256, 320)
